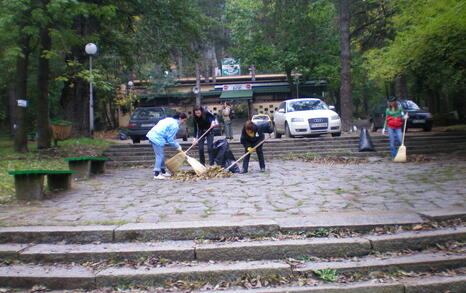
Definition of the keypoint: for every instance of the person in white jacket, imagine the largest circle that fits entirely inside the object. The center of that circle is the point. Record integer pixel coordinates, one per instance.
(162, 133)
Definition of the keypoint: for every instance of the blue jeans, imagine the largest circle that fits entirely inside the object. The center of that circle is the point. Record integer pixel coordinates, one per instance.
(159, 157)
(395, 140)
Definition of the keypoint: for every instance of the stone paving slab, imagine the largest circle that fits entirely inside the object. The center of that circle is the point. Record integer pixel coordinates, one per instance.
(179, 250)
(360, 287)
(442, 214)
(55, 277)
(11, 249)
(354, 220)
(415, 240)
(194, 229)
(421, 261)
(46, 234)
(454, 284)
(201, 272)
(286, 189)
(321, 247)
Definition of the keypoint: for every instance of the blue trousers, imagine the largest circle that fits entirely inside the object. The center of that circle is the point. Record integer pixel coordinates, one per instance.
(210, 145)
(159, 157)
(395, 137)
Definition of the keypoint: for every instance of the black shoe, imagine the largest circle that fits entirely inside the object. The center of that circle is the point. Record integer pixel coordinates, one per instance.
(163, 171)
(156, 173)
(262, 169)
(243, 171)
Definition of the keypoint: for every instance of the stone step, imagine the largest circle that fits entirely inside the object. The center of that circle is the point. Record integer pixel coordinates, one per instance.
(271, 144)
(285, 151)
(355, 221)
(232, 251)
(75, 276)
(451, 284)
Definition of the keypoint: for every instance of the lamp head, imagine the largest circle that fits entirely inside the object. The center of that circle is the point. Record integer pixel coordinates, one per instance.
(91, 49)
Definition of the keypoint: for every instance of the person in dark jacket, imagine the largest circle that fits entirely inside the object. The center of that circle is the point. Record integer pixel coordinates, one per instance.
(202, 121)
(250, 137)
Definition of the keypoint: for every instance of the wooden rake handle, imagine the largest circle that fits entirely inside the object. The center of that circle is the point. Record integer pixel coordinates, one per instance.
(246, 154)
(404, 132)
(192, 145)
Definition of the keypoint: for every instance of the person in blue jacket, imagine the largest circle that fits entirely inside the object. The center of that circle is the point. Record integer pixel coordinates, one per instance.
(162, 133)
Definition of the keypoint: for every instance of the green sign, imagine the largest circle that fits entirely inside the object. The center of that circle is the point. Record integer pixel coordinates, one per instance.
(230, 67)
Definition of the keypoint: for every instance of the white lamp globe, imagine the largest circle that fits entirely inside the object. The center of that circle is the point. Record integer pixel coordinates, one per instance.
(91, 49)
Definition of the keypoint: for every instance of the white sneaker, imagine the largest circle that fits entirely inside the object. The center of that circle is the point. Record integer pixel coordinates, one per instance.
(159, 177)
(166, 174)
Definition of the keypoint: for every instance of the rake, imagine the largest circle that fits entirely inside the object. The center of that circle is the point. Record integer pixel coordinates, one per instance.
(246, 154)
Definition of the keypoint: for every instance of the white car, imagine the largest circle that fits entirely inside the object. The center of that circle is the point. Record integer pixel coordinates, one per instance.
(305, 116)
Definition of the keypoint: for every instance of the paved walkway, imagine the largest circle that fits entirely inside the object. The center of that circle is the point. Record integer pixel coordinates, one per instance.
(288, 188)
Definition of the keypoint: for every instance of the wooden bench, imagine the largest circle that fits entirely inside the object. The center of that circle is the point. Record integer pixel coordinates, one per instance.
(84, 167)
(29, 184)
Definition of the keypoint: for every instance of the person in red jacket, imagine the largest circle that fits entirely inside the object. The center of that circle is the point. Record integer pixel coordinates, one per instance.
(393, 124)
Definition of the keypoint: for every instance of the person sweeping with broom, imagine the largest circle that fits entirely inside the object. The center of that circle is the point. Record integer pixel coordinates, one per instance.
(162, 133)
(250, 137)
(394, 116)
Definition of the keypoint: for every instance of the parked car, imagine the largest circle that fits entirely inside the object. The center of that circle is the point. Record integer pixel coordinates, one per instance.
(263, 122)
(418, 118)
(305, 116)
(144, 118)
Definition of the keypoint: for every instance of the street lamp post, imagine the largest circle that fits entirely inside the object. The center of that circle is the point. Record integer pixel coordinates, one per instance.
(91, 50)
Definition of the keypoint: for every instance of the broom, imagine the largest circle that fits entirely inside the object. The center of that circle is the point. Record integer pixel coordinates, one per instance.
(401, 154)
(247, 153)
(174, 163)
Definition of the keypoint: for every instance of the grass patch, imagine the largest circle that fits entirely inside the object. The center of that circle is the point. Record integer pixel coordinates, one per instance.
(328, 275)
(48, 159)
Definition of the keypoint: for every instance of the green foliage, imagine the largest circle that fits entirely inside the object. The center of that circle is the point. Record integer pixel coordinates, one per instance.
(328, 275)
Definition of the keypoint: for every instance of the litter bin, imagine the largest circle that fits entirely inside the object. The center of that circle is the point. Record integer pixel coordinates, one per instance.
(61, 130)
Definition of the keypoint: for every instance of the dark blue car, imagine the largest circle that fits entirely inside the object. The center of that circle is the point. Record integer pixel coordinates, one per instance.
(144, 118)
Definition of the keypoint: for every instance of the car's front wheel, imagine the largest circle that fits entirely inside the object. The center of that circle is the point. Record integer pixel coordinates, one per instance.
(136, 139)
(336, 134)
(427, 128)
(287, 131)
(275, 132)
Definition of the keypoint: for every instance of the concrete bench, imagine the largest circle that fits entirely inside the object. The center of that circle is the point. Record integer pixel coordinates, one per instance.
(84, 167)
(29, 184)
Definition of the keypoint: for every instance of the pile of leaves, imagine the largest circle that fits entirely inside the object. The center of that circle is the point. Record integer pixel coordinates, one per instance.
(211, 173)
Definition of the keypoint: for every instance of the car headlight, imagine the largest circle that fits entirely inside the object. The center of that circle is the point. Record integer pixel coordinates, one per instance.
(335, 117)
(297, 119)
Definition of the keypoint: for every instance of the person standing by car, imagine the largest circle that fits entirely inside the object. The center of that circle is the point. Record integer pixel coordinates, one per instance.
(202, 121)
(162, 133)
(393, 124)
(250, 137)
(226, 113)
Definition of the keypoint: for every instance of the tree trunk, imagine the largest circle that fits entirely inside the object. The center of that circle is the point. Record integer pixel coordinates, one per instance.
(198, 84)
(12, 105)
(345, 58)
(401, 88)
(214, 65)
(180, 66)
(43, 125)
(206, 66)
(21, 94)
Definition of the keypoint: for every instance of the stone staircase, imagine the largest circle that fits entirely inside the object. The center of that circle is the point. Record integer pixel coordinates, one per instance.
(382, 252)
(142, 154)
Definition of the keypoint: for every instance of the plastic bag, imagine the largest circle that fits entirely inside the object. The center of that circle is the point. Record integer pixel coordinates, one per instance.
(224, 156)
(365, 142)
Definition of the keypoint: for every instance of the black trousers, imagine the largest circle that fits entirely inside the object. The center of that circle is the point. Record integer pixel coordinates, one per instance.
(260, 156)
(210, 145)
